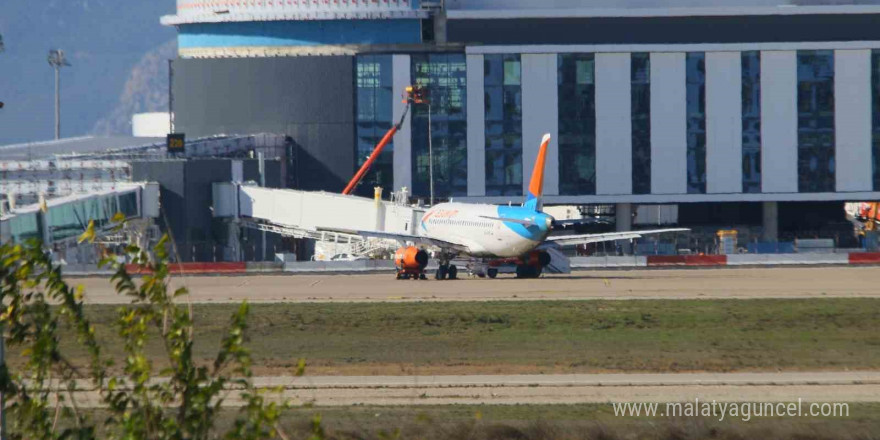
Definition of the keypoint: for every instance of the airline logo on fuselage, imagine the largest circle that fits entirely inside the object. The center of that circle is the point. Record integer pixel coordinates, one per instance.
(440, 213)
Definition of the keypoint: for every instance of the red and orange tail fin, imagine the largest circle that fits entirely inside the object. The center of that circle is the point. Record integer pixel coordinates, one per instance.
(534, 197)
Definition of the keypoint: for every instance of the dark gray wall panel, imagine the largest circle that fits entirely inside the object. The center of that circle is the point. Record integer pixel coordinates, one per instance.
(666, 30)
(310, 99)
(172, 192)
(186, 200)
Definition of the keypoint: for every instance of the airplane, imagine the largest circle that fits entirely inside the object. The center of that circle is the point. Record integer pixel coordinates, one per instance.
(497, 233)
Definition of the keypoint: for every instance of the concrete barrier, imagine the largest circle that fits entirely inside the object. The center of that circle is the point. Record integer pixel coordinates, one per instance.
(195, 268)
(687, 260)
(610, 262)
(265, 267)
(339, 266)
(864, 258)
(786, 259)
(84, 270)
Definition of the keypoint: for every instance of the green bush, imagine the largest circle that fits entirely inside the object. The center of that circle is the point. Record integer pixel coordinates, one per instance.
(184, 404)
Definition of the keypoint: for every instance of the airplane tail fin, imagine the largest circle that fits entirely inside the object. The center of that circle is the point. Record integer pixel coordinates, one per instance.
(535, 195)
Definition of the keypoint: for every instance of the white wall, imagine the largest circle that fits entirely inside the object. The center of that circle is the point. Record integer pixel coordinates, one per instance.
(150, 124)
(779, 122)
(613, 124)
(476, 126)
(403, 139)
(724, 122)
(540, 103)
(668, 124)
(852, 105)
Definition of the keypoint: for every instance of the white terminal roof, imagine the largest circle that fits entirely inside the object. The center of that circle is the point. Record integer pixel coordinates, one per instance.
(75, 145)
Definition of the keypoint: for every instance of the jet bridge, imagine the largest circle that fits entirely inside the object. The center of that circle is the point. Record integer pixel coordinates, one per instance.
(321, 216)
(60, 221)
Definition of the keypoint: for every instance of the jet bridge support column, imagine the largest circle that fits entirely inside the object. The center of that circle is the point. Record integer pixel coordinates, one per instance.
(623, 219)
(232, 252)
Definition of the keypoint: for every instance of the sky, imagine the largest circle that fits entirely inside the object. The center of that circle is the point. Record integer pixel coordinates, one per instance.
(103, 40)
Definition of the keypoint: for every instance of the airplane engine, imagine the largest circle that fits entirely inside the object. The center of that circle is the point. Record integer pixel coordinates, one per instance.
(410, 261)
(537, 259)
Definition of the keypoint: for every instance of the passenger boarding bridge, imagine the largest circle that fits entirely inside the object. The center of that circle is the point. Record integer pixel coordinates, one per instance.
(328, 218)
(59, 222)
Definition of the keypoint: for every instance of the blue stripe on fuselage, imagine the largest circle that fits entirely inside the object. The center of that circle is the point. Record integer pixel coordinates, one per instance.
(535, 232)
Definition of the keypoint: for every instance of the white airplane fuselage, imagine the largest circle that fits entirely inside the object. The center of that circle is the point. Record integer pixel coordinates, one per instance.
(483, 231)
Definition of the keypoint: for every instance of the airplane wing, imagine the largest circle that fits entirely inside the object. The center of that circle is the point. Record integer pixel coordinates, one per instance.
(403, 239)
(563, 224)
(510, 220)
(573, 240)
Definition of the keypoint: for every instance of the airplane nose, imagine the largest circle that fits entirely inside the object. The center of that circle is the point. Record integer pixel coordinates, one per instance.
(548, 222)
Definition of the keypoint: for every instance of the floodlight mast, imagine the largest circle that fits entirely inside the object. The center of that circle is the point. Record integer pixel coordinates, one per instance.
(57, 60)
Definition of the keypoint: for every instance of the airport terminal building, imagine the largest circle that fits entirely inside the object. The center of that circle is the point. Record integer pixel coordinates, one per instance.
(742, 109)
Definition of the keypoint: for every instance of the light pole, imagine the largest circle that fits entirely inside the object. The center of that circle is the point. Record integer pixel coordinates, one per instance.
(57, 60)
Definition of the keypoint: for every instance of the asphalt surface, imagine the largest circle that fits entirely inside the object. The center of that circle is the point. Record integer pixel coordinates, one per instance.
(779, 282)
(565, 389)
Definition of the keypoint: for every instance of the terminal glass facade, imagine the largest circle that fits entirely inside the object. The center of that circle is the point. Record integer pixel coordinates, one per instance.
(375, 97)
(503, 101)
(815, 76)
(751, 121)
(696, 123)
(23, 227)
(640, 82)
(444, 75)
(577, 124)
(875, 119)
(71, 219)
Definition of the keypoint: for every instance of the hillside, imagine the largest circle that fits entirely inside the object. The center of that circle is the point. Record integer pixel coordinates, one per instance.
(104, 39)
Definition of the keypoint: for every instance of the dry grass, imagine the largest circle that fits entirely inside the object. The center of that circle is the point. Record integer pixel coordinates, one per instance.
(568, 422)
(545, 337)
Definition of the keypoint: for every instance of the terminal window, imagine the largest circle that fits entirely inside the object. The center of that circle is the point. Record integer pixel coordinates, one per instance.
(815, 100)
(375, 98)
(696, 123)
(751, 121)
(640, 83)
(577, 123)
(875, 120)
(444, 76)
(503, 105)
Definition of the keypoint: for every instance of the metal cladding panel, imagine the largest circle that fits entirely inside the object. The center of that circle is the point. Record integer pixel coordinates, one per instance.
(476, 126)
(668, 124)
(402, 153)
(150, 201)
(779, 124)
(540, 106)
(310, 99)
(613, 124)
(852, 105)
(172, 194)
(298, 33)
(665, 30)
(724, 122)
(223, 198)
(198, 11)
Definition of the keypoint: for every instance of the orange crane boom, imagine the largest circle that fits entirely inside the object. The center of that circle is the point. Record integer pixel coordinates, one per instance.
(413, 95)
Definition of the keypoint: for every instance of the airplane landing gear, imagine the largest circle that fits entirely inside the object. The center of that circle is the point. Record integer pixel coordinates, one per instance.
(446, 271)
(526, 271)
